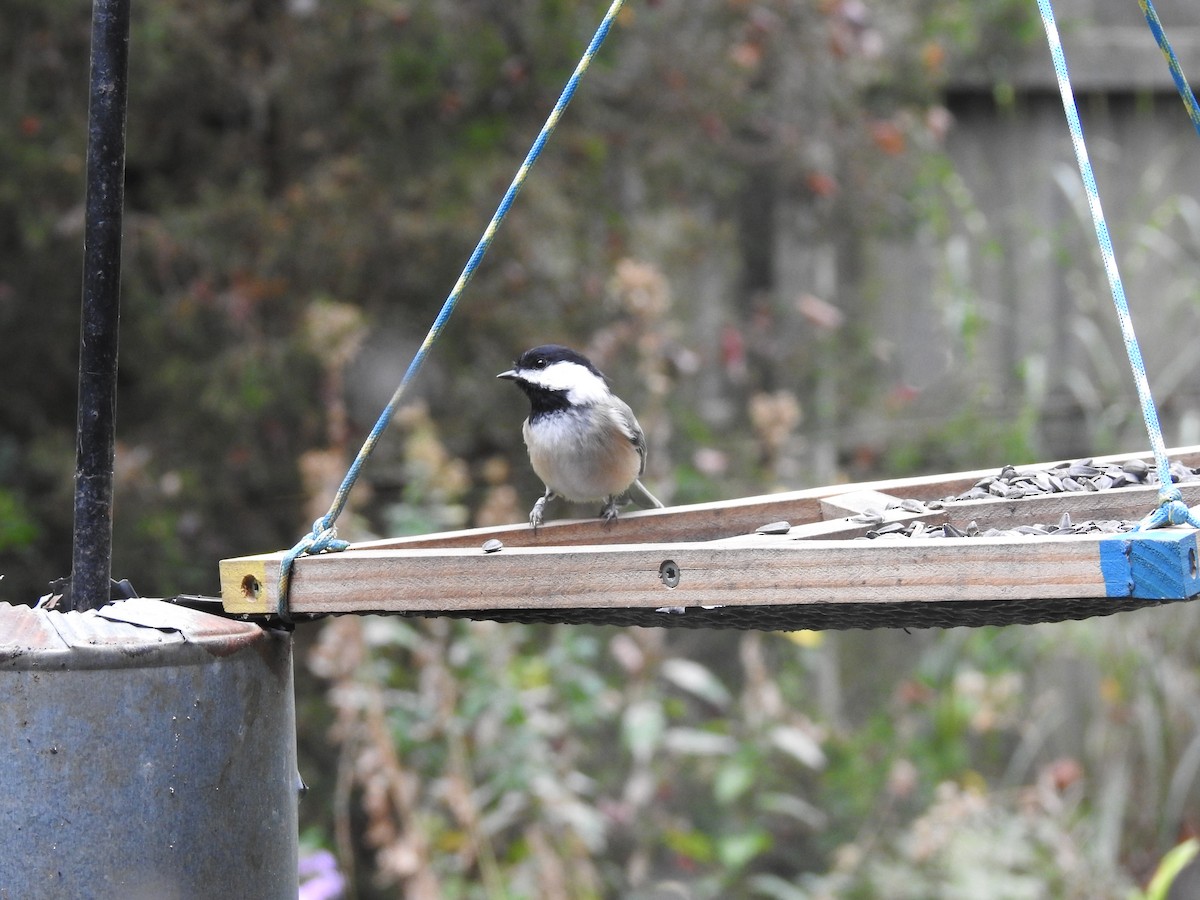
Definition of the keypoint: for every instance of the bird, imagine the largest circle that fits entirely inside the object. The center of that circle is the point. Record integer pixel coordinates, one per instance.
(584, 441)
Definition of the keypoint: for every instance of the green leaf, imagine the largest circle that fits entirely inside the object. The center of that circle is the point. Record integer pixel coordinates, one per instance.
(1172, 864)
(698, 742)
(800, 745)
(695, 845)
(733, 779)
(642, 728)
(778, 888)
(735, 851)
(17, 528)
(696, 679)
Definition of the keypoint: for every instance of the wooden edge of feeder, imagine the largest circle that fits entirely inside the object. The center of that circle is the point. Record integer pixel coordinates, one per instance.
(1155, 565)
(432, 572)
(730, 518)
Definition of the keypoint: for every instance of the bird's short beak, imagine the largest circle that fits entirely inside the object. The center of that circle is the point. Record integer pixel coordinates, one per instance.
(510, 375)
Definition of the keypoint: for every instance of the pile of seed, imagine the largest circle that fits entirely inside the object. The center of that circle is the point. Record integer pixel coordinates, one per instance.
(1010, 484)
(919, 529)
(1082, 475)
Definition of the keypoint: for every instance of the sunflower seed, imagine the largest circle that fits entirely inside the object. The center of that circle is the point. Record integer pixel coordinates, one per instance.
(775, 528)
(1136, 467)
(919, 529)
(1032, 529)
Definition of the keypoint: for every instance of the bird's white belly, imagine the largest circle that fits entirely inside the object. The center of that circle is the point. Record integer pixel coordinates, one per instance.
(578, 467)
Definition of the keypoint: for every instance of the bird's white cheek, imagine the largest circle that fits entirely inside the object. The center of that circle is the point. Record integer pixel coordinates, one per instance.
(582, 387)
(588, 390)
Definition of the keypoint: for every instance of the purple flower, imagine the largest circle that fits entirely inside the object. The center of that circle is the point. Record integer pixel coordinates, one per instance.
(319, 877)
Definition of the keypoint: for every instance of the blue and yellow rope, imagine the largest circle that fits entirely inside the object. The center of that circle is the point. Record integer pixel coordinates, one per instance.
(1172, 510)
(323, 536)
(1171, 507)
(1181, 83)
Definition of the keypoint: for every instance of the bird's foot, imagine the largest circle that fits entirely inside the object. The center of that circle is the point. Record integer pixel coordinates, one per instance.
(609, 513)
(537, 514)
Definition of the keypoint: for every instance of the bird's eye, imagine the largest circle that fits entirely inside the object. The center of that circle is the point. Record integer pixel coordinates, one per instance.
(540, 362)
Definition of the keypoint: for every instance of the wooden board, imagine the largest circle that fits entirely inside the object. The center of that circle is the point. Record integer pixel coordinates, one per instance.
(767, 573)
(727, 518)
(709, 555)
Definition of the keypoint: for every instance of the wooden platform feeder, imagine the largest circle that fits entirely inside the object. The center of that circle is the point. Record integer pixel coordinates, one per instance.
(709, 564)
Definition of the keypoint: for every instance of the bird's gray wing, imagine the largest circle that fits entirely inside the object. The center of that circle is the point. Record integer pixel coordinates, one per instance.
(629, 424)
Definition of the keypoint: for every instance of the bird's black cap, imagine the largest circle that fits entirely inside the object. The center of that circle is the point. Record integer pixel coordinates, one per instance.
(548, 354)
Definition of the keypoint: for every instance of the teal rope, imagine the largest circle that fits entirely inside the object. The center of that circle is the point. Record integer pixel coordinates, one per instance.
(1181, 83)
(1173, 510)
(1170, 499)
(323, 536)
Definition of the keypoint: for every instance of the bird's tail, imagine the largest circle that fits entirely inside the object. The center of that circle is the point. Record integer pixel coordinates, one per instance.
(642, 497)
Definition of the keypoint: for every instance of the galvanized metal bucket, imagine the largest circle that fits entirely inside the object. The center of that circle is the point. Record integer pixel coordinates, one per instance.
(146, 751)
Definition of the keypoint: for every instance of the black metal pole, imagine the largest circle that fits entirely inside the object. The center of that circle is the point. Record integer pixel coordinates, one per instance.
(91, 557)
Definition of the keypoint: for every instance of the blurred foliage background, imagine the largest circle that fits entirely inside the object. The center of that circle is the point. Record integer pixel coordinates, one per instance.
(804, 236)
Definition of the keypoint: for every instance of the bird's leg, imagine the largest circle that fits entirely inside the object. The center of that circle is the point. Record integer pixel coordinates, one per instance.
(538, 512)
(609, 513)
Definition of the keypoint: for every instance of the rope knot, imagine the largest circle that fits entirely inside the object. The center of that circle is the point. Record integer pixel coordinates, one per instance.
(1176, 512)
(1171, 511)
(1169, 493)
(323, 538)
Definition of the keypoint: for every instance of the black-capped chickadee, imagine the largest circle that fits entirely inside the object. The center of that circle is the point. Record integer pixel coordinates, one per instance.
(584, 441)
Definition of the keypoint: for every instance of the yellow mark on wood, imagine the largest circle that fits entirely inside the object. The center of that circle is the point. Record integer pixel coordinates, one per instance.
(246, 586)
